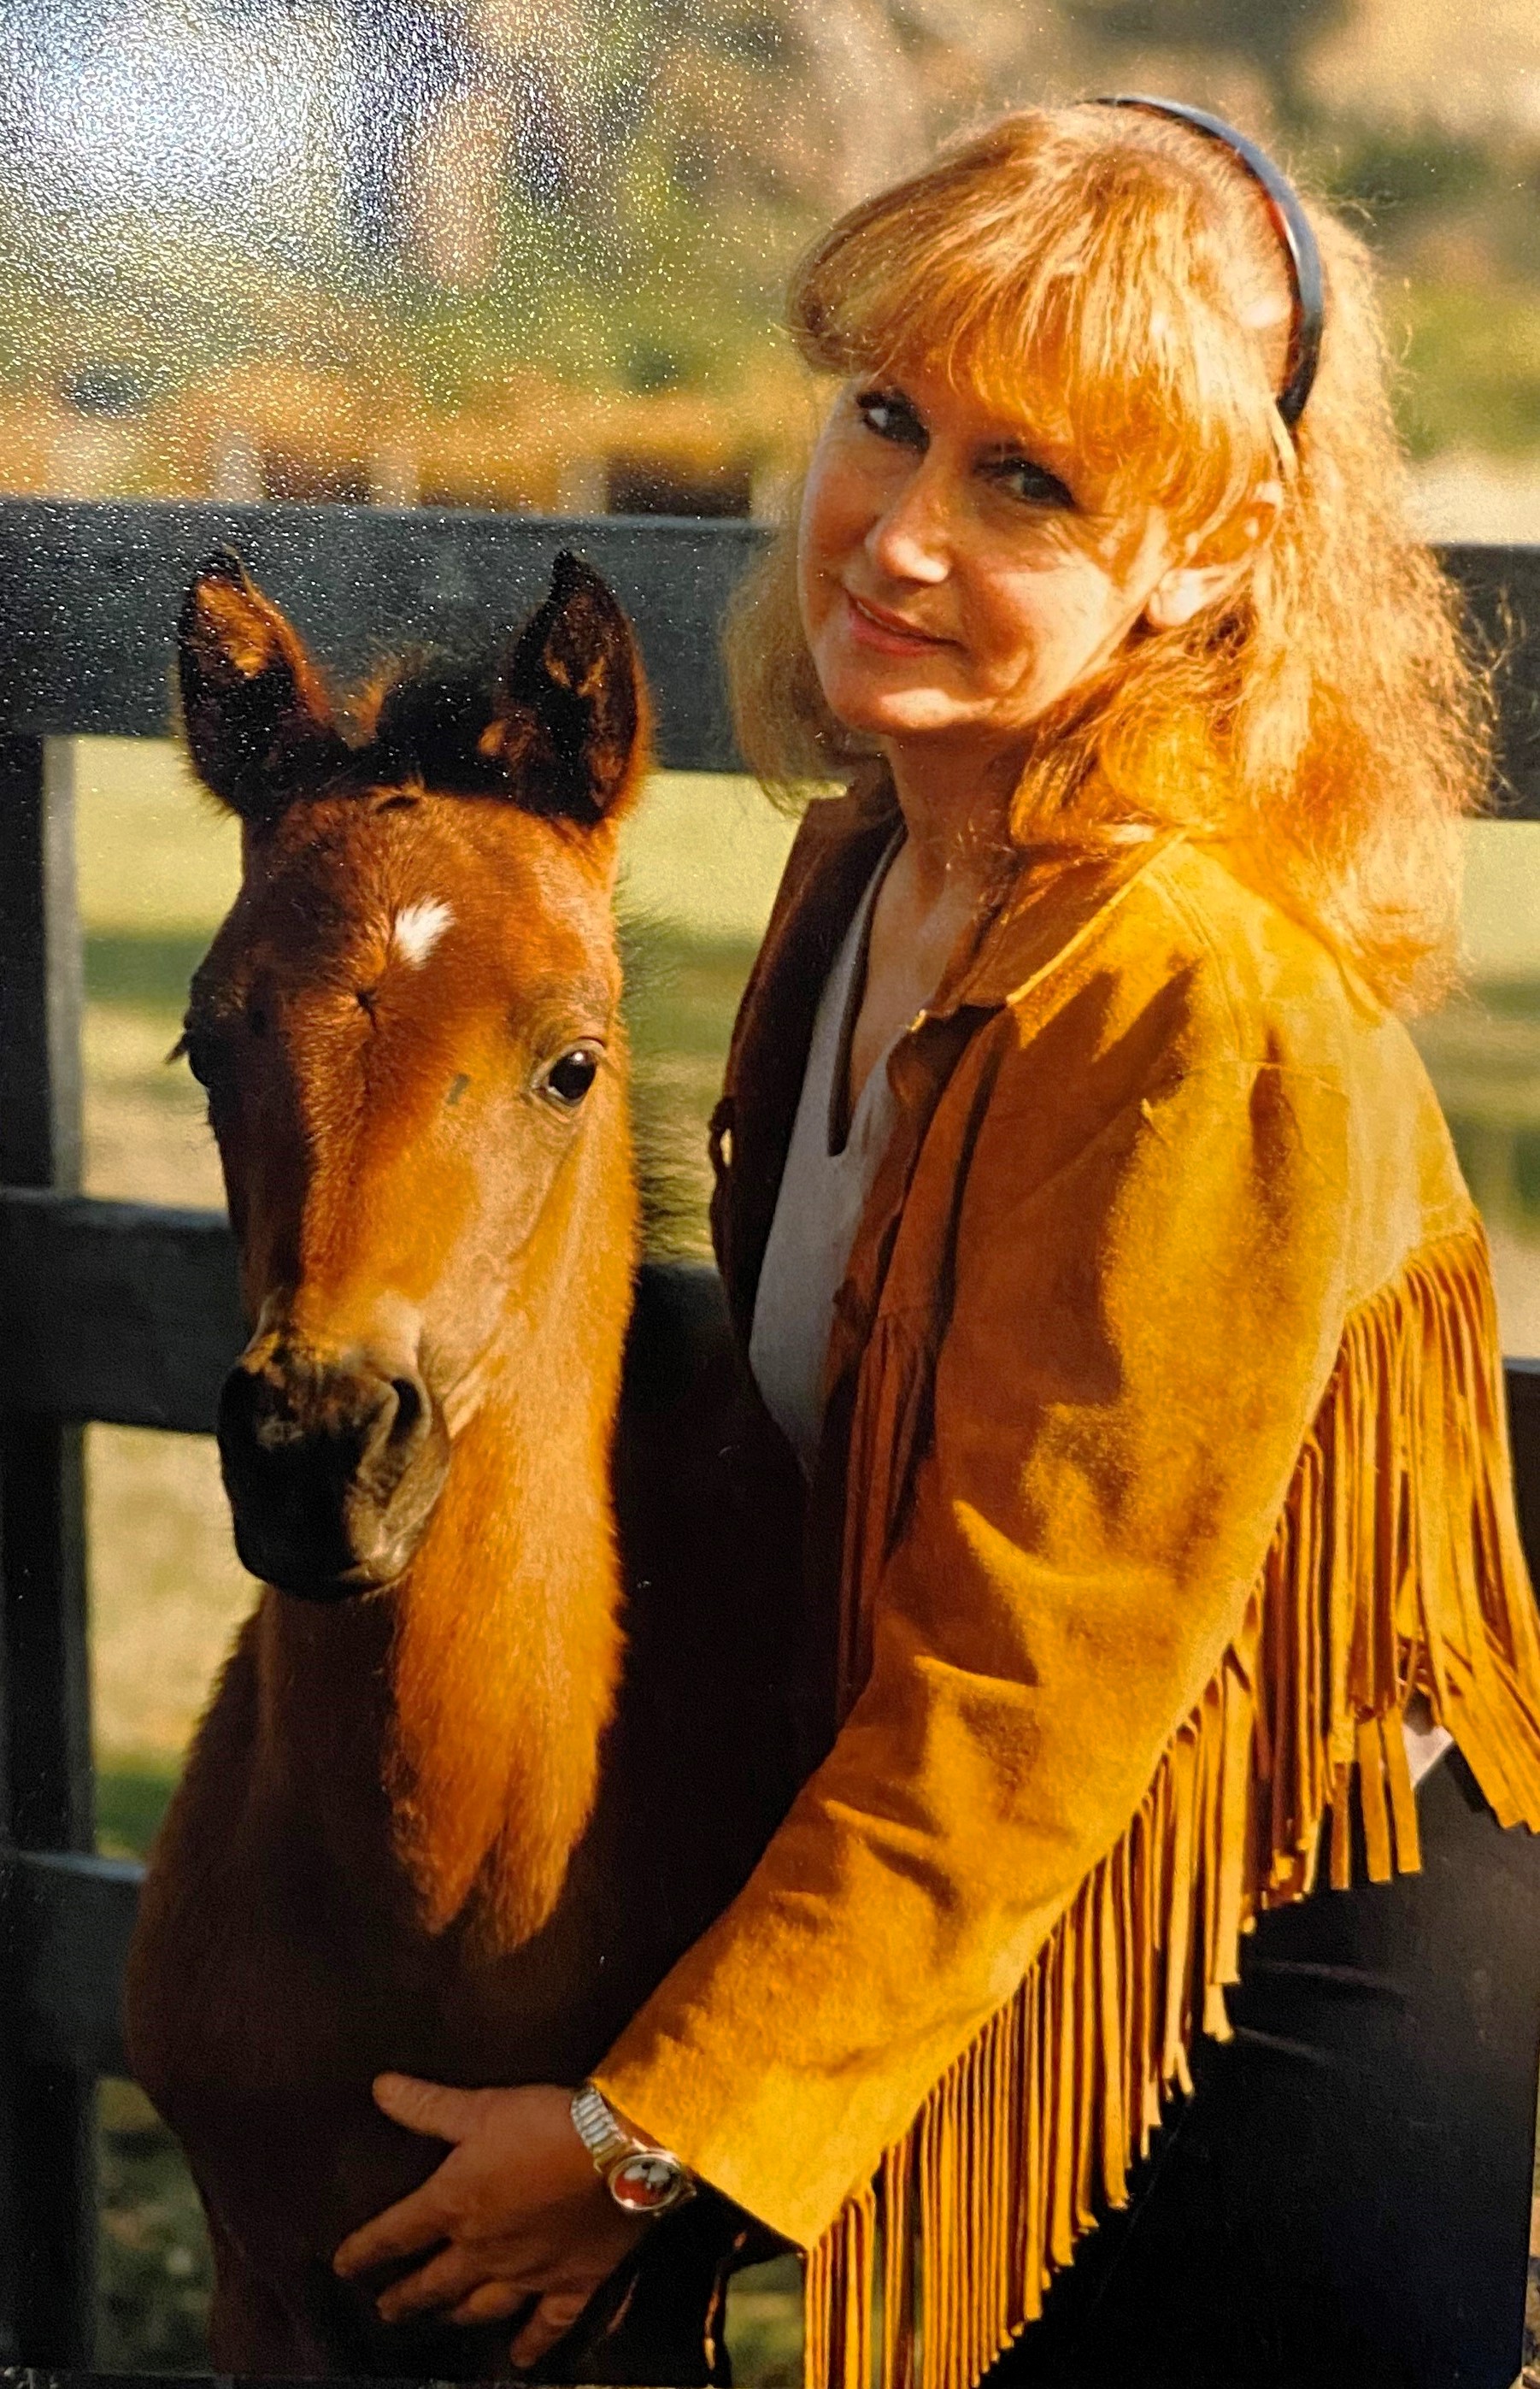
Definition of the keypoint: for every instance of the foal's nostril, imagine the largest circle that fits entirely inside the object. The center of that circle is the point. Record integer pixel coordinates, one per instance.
(409, 1408)
(401, 1421)
(252, 1411)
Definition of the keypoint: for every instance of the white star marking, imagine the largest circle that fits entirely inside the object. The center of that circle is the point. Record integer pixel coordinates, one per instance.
(417, 930)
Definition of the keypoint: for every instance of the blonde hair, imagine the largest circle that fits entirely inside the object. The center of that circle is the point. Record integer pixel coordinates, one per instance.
(1115, 278)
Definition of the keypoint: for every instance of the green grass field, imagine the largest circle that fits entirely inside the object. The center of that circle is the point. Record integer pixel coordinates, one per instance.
(157, 866)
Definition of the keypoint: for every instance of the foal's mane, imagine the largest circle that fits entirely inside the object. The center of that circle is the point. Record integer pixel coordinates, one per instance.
(423, 716)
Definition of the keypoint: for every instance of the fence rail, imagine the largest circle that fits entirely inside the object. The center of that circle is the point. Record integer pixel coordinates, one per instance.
(89, 595)
(129, 1314)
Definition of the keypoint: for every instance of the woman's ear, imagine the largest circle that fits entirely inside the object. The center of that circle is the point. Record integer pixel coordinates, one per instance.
(1214, 561)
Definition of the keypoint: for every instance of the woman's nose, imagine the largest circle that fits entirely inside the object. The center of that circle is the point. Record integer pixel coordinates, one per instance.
(911, 539)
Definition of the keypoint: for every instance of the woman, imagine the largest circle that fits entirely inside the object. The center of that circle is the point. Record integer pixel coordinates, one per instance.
(1098, 1247)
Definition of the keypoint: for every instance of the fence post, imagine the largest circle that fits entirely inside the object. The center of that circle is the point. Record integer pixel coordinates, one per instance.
(47, 2158)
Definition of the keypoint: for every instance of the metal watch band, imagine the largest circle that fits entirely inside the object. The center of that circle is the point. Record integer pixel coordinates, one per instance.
(594, 2124)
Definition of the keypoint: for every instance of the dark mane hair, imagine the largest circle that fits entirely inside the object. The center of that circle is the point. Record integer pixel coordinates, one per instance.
(425, 719)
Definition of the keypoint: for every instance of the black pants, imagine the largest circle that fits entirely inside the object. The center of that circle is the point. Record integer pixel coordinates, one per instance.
(1345, 2202)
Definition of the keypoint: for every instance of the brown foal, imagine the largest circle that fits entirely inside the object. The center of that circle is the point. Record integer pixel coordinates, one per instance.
(456, 1804)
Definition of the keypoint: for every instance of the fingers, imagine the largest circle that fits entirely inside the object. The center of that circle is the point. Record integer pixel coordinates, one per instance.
(432, 2108)
(442, 2281)
(552, 2319)
(414, 2223)
(494, 2301)
(404, 2229)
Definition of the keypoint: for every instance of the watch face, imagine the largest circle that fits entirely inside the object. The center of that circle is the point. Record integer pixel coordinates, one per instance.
(647, 2182)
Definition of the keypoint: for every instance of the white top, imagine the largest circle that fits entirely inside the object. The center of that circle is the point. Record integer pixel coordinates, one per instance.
(823, 1191)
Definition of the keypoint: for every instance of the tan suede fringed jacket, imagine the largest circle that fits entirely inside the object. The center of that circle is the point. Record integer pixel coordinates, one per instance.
(1166, 1458)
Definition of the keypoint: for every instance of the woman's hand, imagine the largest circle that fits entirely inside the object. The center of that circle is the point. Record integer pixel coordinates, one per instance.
(518, 2201)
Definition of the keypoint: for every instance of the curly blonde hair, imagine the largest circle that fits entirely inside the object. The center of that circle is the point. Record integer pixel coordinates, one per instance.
(1115, 278)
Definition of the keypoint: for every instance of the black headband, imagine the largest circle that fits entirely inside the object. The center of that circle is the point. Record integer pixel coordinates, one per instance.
(1292, 227)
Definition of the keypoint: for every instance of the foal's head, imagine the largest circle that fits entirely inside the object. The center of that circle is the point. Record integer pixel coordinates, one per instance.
(408, 1032)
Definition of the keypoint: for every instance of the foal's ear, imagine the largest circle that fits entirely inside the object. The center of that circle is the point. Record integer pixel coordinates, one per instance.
(255, 713)
(572, 717)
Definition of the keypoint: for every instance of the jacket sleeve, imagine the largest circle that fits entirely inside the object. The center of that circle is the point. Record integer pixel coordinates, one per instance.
(1137, 1338)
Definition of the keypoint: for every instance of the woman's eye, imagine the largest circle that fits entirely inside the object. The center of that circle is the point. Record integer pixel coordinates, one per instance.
(890, 417)
(1033, 483)
(570, 1076)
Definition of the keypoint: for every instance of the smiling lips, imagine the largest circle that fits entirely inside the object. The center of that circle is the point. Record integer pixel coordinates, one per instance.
(889, 634)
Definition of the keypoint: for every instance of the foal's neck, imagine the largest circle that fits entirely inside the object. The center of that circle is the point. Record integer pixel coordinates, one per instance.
(507, 1651)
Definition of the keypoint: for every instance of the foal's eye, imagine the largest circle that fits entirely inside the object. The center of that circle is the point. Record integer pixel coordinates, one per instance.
(571, 1075)
(201, 1055)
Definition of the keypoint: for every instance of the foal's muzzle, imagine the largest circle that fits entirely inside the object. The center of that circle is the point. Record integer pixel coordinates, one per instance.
(332, 1469)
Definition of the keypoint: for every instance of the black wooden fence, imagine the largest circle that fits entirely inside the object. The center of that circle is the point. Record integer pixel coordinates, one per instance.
(126, 1313)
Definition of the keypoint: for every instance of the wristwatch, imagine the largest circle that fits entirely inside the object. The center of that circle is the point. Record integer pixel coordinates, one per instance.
(644, 2179)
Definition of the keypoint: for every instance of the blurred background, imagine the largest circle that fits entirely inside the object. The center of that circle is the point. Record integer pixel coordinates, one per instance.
(528, 254)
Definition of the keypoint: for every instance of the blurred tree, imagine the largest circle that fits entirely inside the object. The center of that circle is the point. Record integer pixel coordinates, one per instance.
(400, 60)
(430, 195)
(1400, 175)
(1273, 38)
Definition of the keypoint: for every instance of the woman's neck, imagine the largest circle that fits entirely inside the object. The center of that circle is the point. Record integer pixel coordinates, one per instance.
(956, 805)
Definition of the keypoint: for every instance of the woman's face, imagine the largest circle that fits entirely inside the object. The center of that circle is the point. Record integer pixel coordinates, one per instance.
(955, 583)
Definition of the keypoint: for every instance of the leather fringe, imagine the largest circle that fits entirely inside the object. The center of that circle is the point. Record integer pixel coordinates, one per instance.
(1395, 1568)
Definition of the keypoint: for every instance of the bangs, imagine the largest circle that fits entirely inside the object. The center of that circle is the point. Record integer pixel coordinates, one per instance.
(1071, 285)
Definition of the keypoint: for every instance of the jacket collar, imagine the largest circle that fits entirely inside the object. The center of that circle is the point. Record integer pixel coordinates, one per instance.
(1049, 906)
(1054, 894)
